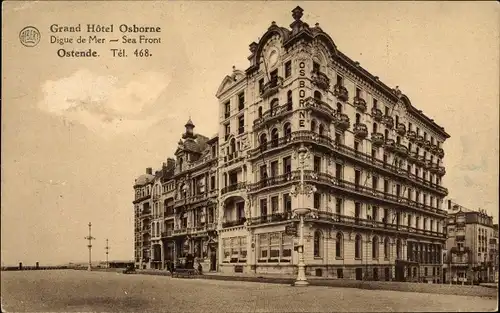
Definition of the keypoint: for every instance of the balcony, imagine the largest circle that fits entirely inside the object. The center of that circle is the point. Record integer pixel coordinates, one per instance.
(320, 107)
(271, 87)
(341, 92)
(434, 168)
(377, 114)
(270, 218)
(441, 171)
(231, 156)
(360, 104)
(272, 114)
(274, 181)
(233, 187)
(321, 80)
(360, 130)
(294, 137)
(413, 157)
(180, 231)
(421, 160)
(419, 141)
(390, 144)
(440, 153)
(412, 136)
(401, 129)
(377, 139)
(342, 121)
(237, 222)
(145, 213)
(427, 145)
(401, 150)
(167, 233)
(388, 121)
(434, 149)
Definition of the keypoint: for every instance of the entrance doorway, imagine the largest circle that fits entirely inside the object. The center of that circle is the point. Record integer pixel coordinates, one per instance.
(359, 274)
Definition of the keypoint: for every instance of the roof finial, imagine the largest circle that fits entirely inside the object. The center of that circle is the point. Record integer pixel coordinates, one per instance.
(317, 24)
(234, 68)
(297, 13)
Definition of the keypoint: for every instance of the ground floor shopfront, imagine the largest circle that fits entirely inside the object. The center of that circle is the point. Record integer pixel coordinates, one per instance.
(335, 253)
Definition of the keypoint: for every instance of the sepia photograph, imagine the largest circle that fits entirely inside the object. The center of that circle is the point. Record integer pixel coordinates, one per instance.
(250, 156)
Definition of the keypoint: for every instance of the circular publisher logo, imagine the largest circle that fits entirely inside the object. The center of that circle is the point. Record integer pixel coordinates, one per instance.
(29, 36)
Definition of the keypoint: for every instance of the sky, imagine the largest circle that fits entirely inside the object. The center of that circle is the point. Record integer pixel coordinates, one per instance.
(77, 132)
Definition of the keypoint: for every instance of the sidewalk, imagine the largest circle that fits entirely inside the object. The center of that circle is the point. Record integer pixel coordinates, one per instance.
(445, 289)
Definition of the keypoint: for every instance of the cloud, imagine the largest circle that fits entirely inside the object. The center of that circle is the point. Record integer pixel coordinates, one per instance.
(103, 104)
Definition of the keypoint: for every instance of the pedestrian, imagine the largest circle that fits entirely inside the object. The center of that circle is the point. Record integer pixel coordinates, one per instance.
(200, 269)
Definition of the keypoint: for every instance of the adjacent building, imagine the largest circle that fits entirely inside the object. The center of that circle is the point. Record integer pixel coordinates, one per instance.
(374, 164)
(472, 253)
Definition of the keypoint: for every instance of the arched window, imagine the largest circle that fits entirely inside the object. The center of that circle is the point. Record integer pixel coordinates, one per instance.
(318, 240)
(339, 245)
(260, 111)
(398, 249)
(263, 141)
(321, 129)
(287, 129)
(313, 125)
(375, 127)
(339, 107)
(358, 118)
(232, 146)
(387, 250)
(358, 247)
(386, 134)
(274, 137)
(317, 95)
(375, 247)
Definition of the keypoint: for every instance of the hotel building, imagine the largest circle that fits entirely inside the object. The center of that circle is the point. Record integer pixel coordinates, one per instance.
(374, 166)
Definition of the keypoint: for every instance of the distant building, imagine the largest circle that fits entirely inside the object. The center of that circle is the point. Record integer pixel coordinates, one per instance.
(471, 245)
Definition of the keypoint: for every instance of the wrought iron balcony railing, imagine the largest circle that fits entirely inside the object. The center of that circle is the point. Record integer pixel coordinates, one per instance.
(238, 222)
(401, 129)
(342, 121)
(360, 104)
(272, 87)
(377, 139)
(341, 92)
(319, 107)
(321, 80)
(233, 187)
(412, 136)
(360, 130)
(388, 121)
(272, 114)
(390, 144)
(377, 114)
(401, 150)
(419, 140)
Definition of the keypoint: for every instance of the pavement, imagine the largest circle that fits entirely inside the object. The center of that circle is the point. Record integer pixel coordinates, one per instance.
(443, 289)
(97, 291)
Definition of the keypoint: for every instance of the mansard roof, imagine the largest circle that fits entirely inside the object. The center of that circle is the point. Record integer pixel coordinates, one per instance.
(301, 31)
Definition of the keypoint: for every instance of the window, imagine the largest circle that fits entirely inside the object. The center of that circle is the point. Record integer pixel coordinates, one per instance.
(340, 273)
(339, 244)
(241, 101)
(317, 95)
(260, 112)
(287, 203)
(317, 164)
(227, 109)
(274, 204)
(375, 247)
(410, 126)
(274, 168)
(318, 241)
(287, 165)
(212, 182)
(313, 125)
(263, 207)
(387, 246)
(317, 201)
(287, 130)
(375, 103)
(375, 128)
(275, 247)
(338, 170)
(375, 182)
(288, 69)
(339, 108)
(398, 249)
(340, 80)
(316, 67)
(241, 124)
(227, 130)
(358, 92)
(321, 129)
(358, 247)
(338, 206)
(261, 85)
(274, 75)
(375, 213)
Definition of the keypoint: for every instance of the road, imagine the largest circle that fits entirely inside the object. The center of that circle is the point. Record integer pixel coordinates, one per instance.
(82, 291)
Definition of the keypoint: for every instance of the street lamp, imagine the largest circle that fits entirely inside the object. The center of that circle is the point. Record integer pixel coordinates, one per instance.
(301, 191)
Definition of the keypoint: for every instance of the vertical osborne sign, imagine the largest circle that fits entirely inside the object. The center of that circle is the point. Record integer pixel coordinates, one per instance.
(302, 94)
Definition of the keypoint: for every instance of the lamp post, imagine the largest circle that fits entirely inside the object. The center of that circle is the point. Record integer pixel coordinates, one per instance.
(301, 210)
(90, 238)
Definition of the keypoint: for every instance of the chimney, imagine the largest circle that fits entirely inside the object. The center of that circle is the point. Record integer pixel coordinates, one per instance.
(149, 170)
